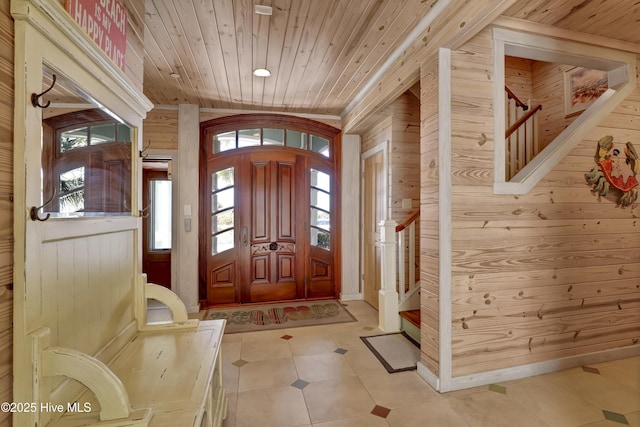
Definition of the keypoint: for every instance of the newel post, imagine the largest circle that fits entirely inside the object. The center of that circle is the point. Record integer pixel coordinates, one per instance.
(388, 317)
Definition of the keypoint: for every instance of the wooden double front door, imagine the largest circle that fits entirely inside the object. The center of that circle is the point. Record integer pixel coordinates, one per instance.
(267, 237)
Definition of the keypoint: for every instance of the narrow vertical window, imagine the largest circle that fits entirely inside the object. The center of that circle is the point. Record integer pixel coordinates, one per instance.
(160, 193)
(222, 210)
(320, 215)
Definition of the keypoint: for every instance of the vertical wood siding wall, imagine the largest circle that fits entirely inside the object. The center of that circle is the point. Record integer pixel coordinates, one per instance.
(548, 90)
(404, 155)
(429, 218)
(546, 275)
(518, 77)
(6, 208)
(399, 124)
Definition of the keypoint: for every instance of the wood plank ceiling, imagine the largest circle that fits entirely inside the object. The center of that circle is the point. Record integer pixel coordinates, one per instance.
(321, 53)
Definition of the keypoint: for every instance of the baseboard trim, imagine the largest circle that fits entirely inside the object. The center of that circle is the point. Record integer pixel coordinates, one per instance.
(428, 376)
(525, 371)
(351, 297)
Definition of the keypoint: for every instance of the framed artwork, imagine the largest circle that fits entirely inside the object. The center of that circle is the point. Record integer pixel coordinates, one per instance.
(582, 86)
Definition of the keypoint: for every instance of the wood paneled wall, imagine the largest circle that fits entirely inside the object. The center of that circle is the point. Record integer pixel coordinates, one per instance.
(378, 134)
(429, 218)
(546, 275)
(6, 208)
(160, 129)
(161, 126)
(399, 124)
(404, 155)
(548, 90)
(519, 78)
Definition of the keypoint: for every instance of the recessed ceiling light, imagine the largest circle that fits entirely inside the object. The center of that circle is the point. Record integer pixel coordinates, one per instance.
(261, 72)
(175, 75)
(263, 10)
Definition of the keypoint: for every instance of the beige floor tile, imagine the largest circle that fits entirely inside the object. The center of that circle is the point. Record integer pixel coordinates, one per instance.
(336, 399)
(230, 421)
(230, 352)
(553, 404)
(600, 391)
(274, 407)
(344, 389)
(633, 418)
(321, 367)
(491, 409)
(625, 372)
(265, 349)
(362, 361)
(603, 423)
(310, 331)
(350, 339)
(257, 336)
(230, 378)
(398, 389)
(435, 413)
(267, 374)
(229, 338)
(312, 344)
(361, 421)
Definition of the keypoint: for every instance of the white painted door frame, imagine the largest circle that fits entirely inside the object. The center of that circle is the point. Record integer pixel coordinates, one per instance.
(384, 147)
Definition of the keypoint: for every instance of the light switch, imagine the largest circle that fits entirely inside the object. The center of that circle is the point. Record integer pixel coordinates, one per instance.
(187, 224)
(407, 204)
(187, 210)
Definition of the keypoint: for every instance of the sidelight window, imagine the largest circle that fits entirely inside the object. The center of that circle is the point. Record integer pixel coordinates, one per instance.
(222, 210)
(320, 215)
(160, 217)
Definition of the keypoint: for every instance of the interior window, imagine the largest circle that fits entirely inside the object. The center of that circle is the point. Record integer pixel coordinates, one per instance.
(320, 214)
(222, 210)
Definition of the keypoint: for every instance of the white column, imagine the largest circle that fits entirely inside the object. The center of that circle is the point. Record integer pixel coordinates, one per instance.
(187, 238)
(350, 211)
(388, 317)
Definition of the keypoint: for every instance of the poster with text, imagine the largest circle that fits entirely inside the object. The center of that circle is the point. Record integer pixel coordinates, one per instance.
(106, 23)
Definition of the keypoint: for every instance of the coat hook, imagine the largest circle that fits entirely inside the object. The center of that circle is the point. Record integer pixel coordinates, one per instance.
(142, 152)
(35, 97)
(34, 211)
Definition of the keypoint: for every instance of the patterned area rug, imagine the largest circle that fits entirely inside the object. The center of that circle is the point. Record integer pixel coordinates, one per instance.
(280, 316)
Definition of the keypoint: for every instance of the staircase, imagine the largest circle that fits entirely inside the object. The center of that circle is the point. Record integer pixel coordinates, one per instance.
(399, 297)
(410, 323)
(521, 135)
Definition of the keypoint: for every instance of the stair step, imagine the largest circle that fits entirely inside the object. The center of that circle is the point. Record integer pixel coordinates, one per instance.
(412, 316)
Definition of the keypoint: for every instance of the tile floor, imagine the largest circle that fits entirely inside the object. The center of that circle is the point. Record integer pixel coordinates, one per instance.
(324, 376)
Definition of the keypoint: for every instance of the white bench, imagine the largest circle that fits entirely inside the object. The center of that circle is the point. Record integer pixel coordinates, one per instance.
(149, 375)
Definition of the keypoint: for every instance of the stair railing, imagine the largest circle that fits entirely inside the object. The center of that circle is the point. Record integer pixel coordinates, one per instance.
(522, 135)
(394, 287)
(408, 281)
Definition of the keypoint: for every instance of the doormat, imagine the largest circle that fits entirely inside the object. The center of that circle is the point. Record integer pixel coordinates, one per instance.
(280, 316)
(397, 351)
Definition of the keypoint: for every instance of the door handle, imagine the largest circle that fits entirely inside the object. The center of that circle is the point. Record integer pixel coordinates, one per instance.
(244, 236)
